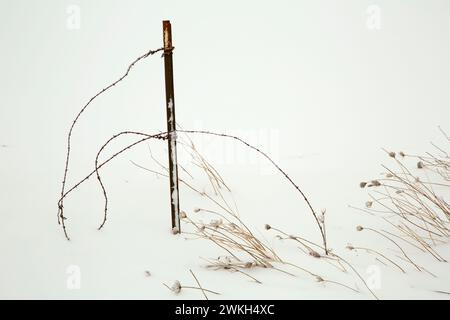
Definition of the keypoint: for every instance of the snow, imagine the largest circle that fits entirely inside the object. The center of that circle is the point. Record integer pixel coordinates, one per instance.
(335, 92)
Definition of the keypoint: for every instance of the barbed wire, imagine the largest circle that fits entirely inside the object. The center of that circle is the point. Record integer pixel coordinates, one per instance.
(60, 216)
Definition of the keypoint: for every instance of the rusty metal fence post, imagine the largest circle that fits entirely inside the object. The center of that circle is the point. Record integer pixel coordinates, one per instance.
(171, 127)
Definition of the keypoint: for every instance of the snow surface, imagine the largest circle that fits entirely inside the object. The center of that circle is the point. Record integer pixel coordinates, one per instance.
(332, 94)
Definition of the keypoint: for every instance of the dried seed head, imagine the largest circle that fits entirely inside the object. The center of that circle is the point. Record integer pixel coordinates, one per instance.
(216, 223)
(369, 204)
(147, 273)
(224, 260)
(350, 247)
(175, 230)
(392, 154)
(197, 209)
(176, 287)
(319, 279)
(376, 183)
(402, 154)
(249, 265)
(359, 228)
(420, 165)
(183, 215)
(267, 227)
(322, 215)
(362, 184)
(314, 254)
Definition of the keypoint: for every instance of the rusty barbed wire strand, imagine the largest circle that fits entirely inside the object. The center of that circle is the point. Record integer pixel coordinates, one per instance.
(60, 216)
(161, 136)
(99, 166)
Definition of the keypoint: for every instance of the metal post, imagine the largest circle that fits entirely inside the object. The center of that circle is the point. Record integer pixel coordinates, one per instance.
(171, 127)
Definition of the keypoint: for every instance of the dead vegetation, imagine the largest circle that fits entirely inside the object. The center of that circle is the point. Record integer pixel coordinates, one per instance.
(410, 198)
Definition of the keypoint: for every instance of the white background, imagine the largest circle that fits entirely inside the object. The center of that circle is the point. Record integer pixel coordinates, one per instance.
(327, 89)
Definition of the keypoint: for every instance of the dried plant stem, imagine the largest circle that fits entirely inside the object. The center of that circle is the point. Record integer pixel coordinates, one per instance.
(296, 238)
(341, 284)
(205, 290)
(357, 274)
(199, 285)
(379, 254)
(396, 244)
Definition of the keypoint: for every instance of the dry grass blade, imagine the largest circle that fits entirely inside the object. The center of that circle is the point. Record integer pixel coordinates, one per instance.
(199, 285)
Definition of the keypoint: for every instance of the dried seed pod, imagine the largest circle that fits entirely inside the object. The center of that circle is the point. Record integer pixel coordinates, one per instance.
(176, 287)
(175, 230)
(350, 247)
(183, 215)
(376, 183)
(216, 223)
(314, 254)
(369, 204)
(233, 225)
(389, 175)
(359, 228)
(392, 154)
(267, 227)
(362, 184)
(197, 210)
(319, 279)
(420, 165)
(402, 154)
